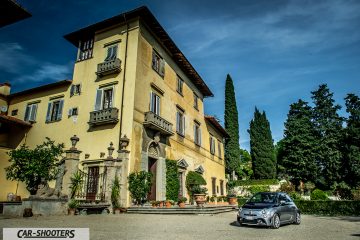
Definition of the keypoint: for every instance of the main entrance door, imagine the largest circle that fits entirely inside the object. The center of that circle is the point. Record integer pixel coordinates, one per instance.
(92, 184)
(152, 169)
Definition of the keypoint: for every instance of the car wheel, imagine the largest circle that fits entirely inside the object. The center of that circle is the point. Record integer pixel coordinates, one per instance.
(297, 218)
(275, 221)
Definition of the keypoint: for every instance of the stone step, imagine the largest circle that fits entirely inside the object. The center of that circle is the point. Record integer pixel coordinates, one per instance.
(186, 210)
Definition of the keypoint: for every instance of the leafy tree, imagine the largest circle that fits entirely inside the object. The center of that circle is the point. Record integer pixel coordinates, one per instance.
(232, 149)
(32, 165)
(262, 148)
(172, 180)
(279, 152)
(245, 164)
(352, 141)
(139, 185)
(299, 143)
(328, 125)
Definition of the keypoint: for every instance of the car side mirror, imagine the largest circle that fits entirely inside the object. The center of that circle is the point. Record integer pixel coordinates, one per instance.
(282, 202)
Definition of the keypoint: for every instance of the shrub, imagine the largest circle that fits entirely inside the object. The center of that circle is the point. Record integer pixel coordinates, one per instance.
(139, 185)
(287, 187)
(172, 180)
(193, 182)
(182, 199)
(343, 191)
(356, 194)
(32, 166)
(343, 207)
(317, 194)
(115, 193)
(241, 201)
(76, 183)
(295, 196)
(255, 182)
(73, 204)
(258, 188)
(309, 186)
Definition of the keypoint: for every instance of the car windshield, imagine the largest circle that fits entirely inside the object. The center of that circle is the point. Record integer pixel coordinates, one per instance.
(263, 198)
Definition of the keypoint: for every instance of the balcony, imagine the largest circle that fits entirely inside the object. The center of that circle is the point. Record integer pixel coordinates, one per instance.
(109, 67)
(105, 116)
(157, 123)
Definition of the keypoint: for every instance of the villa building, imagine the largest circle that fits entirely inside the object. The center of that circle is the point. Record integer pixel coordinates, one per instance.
(134, 101)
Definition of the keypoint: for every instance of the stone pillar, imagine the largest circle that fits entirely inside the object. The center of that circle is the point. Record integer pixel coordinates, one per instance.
(110, 176)
(122, 173)
(144, 161)
(160, 179)
(71, 166)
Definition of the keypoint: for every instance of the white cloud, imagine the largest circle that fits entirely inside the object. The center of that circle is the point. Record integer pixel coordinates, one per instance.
(16, 61)
(47, 71)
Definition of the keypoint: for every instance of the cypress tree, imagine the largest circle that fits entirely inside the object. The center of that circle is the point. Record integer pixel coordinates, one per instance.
(352, 141)
(261, 147)
(328, 126)
(232, 148)
(298, 144)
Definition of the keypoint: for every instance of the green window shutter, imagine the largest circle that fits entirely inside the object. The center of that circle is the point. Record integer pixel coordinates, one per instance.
(33, 112)
(59, 113)
(98, 100)
(48, 114)
(27, 113)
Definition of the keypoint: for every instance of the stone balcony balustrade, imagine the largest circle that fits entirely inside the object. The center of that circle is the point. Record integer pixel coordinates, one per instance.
(158, 123)
(108, 67)
(105, 116)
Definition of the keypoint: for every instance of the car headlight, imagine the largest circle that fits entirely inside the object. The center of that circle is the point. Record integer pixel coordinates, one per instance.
(264, 213)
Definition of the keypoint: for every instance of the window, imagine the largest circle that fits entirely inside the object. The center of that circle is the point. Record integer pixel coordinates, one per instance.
(212, 145)
(155, 103)
(219, 147)
(196, 104)
(104, 98)
(111, 53)
(180, 84)
(54, 111)
(75, 89)
(85, 49)
(158, 64)
(180, 122)
(30, 112)
(213, 186)
(197, 134)
(222, 187)
(14, 112)
(73, 112)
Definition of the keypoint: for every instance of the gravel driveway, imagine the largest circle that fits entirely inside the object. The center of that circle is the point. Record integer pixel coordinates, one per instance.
(217, 227)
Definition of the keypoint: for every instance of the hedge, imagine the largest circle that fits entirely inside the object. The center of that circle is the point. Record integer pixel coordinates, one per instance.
(251, 182)
(343, 207)
(319, 207)
(172, 180)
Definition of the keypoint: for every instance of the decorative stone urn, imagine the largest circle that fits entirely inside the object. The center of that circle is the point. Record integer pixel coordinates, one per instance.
(232, 200)
(200, 199)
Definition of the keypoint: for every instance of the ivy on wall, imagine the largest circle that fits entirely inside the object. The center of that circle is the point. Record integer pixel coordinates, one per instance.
(172, 180)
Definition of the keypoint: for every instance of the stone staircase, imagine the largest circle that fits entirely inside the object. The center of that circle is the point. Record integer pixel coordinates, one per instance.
(189, 209)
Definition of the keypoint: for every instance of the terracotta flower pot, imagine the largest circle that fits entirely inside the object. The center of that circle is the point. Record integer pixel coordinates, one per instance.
(161, 204)
(200, 199)
(168, 204)
(117, 211)
(182, 205)
(71, 211)
(232, 200)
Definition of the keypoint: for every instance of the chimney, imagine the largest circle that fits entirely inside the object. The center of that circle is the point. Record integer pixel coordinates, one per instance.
(5, 88)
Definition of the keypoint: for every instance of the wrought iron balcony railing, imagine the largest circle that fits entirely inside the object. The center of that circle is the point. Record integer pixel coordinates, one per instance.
(105, 116)
(158, 123)
(109, 67)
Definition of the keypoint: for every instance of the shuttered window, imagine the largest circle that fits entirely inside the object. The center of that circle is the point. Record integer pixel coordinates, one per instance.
(85, 49)
(197, 134)
(54, 112)
(180, 122)
(212, 145)
(111, 53)
(30, 112)
(155, 103)
(104, 98)
(158, 64)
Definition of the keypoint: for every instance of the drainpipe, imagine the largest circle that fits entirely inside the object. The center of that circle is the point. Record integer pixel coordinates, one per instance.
(123, 86)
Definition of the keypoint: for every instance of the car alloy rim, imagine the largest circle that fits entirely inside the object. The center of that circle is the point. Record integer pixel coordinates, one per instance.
(277, 221)
(298, 218)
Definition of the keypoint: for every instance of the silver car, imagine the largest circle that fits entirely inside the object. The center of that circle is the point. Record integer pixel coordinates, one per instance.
(270, 209)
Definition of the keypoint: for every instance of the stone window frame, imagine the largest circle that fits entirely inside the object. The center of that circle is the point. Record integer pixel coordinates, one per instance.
(75, 89)
(100, 97)
(158, 63)
(197, 133)
(212, 144)
(180, 121)
(180, 86)
(30, 112)
(54, 110)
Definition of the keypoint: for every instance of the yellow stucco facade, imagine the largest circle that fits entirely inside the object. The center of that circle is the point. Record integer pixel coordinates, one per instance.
(119, 88)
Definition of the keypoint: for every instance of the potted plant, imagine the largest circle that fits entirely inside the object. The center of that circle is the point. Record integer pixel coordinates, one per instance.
(194, 181)
(160, 204)
(168, 203)
(212, 200)
(232, 199)
(182, 201)
(115, 193)
(73, 205)
(76, 182)
(139, 185)
(153, 204)
(199, 194)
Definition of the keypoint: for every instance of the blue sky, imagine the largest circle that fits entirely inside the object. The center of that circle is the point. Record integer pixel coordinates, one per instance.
(276, 51)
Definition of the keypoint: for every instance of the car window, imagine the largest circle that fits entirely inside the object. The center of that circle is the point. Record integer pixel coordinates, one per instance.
(288, 199)
(263, 198)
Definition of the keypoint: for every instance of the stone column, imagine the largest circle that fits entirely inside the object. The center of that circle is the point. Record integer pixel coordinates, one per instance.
(71, 166)
(122, 172)
(161, 179)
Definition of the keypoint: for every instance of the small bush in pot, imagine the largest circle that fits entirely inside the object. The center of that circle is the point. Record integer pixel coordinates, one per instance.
(317, 194)
(73, 205)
